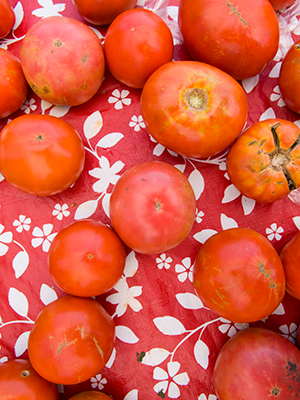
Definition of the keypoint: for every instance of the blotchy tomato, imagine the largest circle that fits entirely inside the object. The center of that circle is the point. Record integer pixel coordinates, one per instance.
(193, 108)
(280, 4)
(7, 18)
(41, 154)
(290, 256)
(90, 395)
(264, 161)
(239, 275)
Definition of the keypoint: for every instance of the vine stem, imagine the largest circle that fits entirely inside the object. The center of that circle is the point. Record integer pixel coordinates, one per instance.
(21, 321)
(19, 244)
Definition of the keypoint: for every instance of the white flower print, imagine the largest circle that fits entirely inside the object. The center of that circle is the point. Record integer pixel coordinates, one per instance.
(230, 327)
(163, 261)
(60, 211)
(276, 96)
(22, 223)
(274, 232)
(199, 215)
(106, 174)
(210, 397)
(98, 382)
(137, 123)
(48, 9)
(185, 270)
(290, 332)
(170, 386)
(119, 98)
(43, 237)
(5, 237)
(28, 106)
(3, 360)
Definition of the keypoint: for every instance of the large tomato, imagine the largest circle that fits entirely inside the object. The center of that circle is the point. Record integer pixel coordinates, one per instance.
(290, 256)
(13, 85)
(7, 18)
(62, 60)
(264, 161)
(137, 43)
(86, 258)
(193, 108)
(257, 363)
(280, 4)
(238, 36)
(152, 207)
(239, 275)
(102, 12)
(41, 154)
(19, 381)
(90, 395)
(71, 340)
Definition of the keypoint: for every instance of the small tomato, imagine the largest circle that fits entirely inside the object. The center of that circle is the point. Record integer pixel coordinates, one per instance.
(7, 18)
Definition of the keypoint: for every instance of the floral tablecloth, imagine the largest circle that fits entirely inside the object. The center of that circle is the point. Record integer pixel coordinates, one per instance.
(166, 340)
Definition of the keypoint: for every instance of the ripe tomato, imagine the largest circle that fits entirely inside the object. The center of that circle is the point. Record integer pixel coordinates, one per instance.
(86, 258)
(239, 275)
(152, 207)
(136, 43)
(63, 60)
(290, 255)
(7, 18)
(19, 381)
(193, 108)
(71, 340)
(280, 4)
(257, 363)
(13, 85)
(90, 395)
(264, 161)
(102, 12)
(237, 36)
(40, 154)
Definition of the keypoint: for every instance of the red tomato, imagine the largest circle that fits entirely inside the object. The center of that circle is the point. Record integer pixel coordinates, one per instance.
(193, 108)
(137, 43)
(90, 395)
(290, 255)
(71, 340)
(264, 161)
(13, 85)
(7, 18)
(238, 36)
(257, 363)
(239, 275)
(102, 12)
(86, 258)
(63, 60)
(41, 154)
(280, 4)
(19, 381)
(152, 207)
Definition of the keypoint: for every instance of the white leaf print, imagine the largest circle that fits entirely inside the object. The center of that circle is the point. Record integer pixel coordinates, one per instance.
(169, 325)
(20, 263)
(203, 235)
(250, 83)
(92, 125)
(105, 203)
(189, 301)
(125, 334)
(230, 193)
(269, 113)
(45, 105)
(279, 310)
(112, 358)
(19, 15)
(275, 71)
(18, 302)
(1, 177)
(132, 395)
(181, 167)
(59, 111)
(201, 353)
(21, 344)
(155, 356)
(197, 182)
(131, 265)
(296, 221)
(110, 140)
(248, 205)
(86, 209)
(228, 223)
(294, 196)
(158, 150)
(47, 294)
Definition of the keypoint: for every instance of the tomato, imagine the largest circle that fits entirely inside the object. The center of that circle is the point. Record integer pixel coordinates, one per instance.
(102, 12)
(71, 340)
(136, 43)
(19, 381)
(290, 255)
(264, 161)
(62, 60)
(239, 275)
(7, 18)
(152, 207)
(257, 363)
(41, 154)
(280, 4)
(238, 36)
(193, 108)
(86, 258)
(90, 395)
(13, 85)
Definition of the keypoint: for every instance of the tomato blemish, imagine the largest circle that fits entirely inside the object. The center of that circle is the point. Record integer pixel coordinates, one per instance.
(25, 373)
(57, 43)
(233, 10)
(196, 99)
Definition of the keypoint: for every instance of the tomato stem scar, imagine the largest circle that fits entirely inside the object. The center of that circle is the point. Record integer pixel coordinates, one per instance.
(196, 99)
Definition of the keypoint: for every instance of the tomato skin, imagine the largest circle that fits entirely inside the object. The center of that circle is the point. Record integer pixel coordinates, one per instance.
(290, 259)
(90, 395)
(41, 154)
(86, 258)
(241, 38)
(102, 12)
(260, 168)
(71, 340)
(239, 275)
(13, 85)
(200, 131)
(257, 363)
(7, 18)
(19, 381)
(280, 4)
(55, 45)
(136, 43)
(152, 207)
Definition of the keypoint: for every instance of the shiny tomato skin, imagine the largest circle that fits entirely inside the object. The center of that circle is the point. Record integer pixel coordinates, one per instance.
(90, 395)
(237, 36)
(264, 161)
(280, 4)
(7, 18)
(102, 12)
(86, 258)
(257, 363)
(239, 275)
(63, 60)
(193, 108)
(152, 207)
(41, 154)
(19, 381)
(290, 255)
(13, 85)
(136, 43)
(71, 340)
